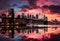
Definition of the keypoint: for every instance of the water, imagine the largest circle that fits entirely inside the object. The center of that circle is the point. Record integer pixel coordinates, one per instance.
(36, 33)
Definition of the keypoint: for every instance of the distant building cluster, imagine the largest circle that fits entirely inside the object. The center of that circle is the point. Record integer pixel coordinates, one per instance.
(9, 23)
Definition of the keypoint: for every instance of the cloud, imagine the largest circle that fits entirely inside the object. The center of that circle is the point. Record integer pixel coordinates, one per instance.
(4, 4)
(53, 8)
(32, 3)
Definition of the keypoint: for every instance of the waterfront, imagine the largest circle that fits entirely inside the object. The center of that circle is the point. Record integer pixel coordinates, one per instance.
(27, 28)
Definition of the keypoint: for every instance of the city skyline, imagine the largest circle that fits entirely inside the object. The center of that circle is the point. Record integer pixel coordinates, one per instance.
(40, 15)
(51, 8)
(29, 20)
(9, 23)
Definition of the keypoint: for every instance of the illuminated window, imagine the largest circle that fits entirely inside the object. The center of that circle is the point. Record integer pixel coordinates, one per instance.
(3, 26)
(9, 16)
(16, 26)
(9, 31)
(7, 26)
(11, 26)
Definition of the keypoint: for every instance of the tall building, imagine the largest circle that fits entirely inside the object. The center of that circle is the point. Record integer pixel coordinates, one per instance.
(37, 16)
(27, 15)
(45, 23)
(3, 23)
(11, 15)
(4, 18)
(30, 16)
(45, 20)
(23, 15)
(11, 22)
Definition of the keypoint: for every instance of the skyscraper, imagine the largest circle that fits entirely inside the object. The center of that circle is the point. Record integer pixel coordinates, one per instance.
(4, 18)
(37, 16)
(11, 22)
(45, 23)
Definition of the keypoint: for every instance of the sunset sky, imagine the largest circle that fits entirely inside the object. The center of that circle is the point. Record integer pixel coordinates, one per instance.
(51, 8)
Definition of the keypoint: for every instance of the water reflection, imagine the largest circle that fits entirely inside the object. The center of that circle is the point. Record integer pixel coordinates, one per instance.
(31, 31)
(39, 30)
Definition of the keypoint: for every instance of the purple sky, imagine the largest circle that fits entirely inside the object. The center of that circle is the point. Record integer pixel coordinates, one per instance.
(4, 4)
